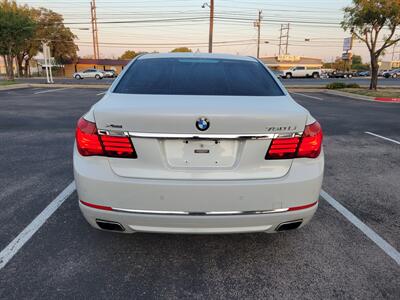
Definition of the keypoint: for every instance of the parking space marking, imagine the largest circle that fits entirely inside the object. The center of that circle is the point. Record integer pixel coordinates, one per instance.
(308, 96)
(372, 235)
(102, 93)
(12, 248)
(382, 137)
(48, 91)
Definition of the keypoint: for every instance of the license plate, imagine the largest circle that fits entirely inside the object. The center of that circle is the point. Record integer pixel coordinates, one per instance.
(201, 154)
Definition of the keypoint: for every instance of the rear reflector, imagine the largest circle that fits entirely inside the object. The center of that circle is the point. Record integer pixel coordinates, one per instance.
(302, 206)
(89, 142)
(309, 145)
(96, 206)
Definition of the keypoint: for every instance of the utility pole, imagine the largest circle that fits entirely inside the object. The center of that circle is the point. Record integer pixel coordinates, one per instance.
(257, 24)
(284, 33)
(287, 38)
(95, 36)
(210, 34)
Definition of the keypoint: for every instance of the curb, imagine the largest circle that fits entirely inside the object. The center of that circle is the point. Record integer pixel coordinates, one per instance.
(361, 97)
(54, 85)
(388, 99)
(14, 86)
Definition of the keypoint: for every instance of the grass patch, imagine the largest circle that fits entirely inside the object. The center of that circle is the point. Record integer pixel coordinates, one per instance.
(341, 85)
(7, 82)
(383, 93)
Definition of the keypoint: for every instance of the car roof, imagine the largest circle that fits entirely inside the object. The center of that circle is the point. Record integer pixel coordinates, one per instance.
(196, 55)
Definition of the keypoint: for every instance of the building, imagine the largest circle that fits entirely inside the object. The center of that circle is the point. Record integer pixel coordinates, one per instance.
(284, 62)
(100, 64)
(389, 65)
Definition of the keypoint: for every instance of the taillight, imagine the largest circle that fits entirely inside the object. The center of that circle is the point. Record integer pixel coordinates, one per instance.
(89, 142)
(283, 148)
(118, 146)
(311, 141)
(309, 145)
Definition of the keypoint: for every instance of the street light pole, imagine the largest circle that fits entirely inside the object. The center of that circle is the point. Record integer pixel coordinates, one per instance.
(210, 34)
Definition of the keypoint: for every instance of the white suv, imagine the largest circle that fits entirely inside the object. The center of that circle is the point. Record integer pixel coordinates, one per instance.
(89, 73)
(198, 143)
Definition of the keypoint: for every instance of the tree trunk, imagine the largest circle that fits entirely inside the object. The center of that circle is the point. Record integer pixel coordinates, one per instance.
(9, 59)
(20, 60)
(26, 68)
(374, 72)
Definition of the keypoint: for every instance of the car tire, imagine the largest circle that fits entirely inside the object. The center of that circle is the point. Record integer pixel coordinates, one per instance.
(350, 76)
(97, 77)
(315, 75)
(394, 75)
(288, 76)
(78, 77)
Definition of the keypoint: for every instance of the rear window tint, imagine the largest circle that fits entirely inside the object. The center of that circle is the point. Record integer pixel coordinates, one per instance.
(198, 76)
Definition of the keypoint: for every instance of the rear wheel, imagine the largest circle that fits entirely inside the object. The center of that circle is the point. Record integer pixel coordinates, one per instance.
(350, 76)
(97, 76)
(288, 75)
(394, 75)
(315, 75)
(78, 77)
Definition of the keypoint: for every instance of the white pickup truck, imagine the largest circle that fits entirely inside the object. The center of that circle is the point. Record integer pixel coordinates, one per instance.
(302, 71)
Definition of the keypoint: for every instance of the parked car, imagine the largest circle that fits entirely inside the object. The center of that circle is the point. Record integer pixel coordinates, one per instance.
(392, 73)
(363, 73)
(110, 73)
(341, 74)
(302, 71)
(89, 73)
(198, 143)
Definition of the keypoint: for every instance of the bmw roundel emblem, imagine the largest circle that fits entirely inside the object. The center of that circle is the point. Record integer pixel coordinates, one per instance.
(202, 124)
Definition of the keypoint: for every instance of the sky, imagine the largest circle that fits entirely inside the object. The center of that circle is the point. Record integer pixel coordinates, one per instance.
(156, 25)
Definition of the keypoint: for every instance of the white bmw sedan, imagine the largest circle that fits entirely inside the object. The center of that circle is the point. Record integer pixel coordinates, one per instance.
(198, 143)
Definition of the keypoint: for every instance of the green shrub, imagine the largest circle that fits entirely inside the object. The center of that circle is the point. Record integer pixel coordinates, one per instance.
(353, 86)
(341, 85)
(336, 85)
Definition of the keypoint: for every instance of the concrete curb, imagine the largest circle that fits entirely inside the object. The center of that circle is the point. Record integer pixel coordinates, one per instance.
(55, 85)
(14, 86)
(355, 96)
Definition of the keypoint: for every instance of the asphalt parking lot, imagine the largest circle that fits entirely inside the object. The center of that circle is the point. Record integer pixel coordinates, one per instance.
(329, 258)
(362, 81)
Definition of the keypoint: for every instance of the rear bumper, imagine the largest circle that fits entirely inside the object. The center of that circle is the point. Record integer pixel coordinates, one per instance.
(132, 222)
(97, 184)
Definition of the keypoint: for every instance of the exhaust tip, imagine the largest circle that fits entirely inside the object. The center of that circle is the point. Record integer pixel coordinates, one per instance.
(289, 225)
(110, 225)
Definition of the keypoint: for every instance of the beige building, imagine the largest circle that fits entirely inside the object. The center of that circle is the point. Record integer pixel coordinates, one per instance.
(284, 62)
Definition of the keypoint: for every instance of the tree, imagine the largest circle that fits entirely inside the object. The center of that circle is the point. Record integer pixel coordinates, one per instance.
(129, 54)
(50, 29)
(182, 49)
(366, 19)
(357, 63)
(15, 28)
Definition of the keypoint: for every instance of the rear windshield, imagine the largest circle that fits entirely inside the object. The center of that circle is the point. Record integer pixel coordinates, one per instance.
(193, 76)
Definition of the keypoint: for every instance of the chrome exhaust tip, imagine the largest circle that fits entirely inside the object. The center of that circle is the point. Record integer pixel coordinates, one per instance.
(289, 225)
(110, 225)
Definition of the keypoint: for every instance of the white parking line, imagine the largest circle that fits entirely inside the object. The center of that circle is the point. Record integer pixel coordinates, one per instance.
(382, 137)
(12, 248)
(102, 93)
(308, 96)
(49, 91)
(380, 242)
